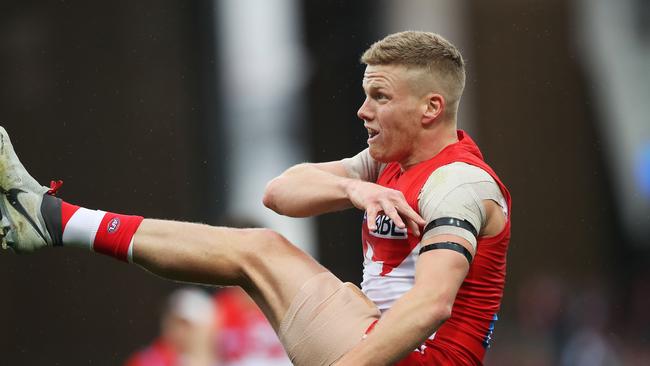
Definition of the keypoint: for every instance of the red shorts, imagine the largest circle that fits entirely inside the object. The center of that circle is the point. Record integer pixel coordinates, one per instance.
(431, 357)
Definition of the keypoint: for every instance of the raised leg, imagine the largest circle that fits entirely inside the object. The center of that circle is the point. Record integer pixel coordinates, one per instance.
(324, 318)
(261, 261)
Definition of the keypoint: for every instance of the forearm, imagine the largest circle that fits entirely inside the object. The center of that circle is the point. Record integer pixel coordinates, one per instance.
(305, 190)
(402, 329)
(418, 313)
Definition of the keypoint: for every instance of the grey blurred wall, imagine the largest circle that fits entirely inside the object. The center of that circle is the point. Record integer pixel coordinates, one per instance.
(107, 97)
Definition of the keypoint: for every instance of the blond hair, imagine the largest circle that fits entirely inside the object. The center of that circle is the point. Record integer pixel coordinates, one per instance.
(426, 51)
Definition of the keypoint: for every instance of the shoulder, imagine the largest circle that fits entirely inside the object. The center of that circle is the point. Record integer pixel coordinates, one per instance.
(451, 176)
(460, 185)
(462, 173)
(456, 190)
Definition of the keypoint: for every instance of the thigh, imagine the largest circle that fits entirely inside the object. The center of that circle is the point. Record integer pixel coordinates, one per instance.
(275, 271)
(261, 261)
(325, 320)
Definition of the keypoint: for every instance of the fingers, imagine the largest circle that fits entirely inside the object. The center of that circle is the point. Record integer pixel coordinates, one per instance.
(413, 227)
(406, 210)
(391, 211)
(412, 218)
(390, 202)
(398, 214)
(371, 218)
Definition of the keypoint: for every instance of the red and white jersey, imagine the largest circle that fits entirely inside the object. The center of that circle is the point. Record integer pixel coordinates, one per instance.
(387, 273)
(390, 256)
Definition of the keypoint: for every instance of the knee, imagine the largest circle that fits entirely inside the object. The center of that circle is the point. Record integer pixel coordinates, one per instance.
(263, 238)
(262, 243)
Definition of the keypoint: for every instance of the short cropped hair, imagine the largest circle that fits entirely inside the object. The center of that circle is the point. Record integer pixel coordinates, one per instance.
(422, 50)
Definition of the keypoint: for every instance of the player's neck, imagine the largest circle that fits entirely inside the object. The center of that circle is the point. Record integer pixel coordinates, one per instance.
(431, 143)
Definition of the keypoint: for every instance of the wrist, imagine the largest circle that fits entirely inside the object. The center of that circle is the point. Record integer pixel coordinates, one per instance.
(347, 186)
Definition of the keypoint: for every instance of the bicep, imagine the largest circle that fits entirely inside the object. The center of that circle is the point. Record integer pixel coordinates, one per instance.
(441, 269)
(450, 203)
(458, 213)
(453, 223)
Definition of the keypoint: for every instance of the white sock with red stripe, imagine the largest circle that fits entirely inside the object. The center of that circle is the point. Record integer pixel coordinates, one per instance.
(103, 232)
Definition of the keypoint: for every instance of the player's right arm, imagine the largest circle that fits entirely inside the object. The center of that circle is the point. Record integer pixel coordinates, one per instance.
(311, 189)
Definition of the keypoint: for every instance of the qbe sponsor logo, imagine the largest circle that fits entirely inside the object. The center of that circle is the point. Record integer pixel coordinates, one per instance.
(387, 229)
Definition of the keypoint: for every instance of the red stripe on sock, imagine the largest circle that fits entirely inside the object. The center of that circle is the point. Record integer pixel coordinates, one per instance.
(67, 210)
(115, 233)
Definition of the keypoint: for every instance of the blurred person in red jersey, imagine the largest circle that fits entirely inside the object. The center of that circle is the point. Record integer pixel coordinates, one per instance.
(188, 328)
(245, 337)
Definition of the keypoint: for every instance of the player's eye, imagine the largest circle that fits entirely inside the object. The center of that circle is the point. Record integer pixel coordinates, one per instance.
(379, 96)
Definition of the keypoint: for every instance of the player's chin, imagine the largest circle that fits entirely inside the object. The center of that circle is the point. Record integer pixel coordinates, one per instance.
(380, 155)
(375, 153)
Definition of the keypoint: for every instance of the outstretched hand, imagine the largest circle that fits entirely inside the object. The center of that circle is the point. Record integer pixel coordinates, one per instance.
(375, 199)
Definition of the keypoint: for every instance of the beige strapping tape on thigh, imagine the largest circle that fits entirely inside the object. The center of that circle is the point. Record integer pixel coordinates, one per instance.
(325, 320)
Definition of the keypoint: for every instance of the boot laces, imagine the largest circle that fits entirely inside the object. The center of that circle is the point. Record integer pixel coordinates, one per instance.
(54, 187)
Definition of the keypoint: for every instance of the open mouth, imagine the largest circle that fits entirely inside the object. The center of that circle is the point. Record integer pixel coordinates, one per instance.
(372, 133)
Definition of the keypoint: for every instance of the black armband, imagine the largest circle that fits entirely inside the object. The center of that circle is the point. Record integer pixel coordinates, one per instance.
(451, 221)
(448, 245)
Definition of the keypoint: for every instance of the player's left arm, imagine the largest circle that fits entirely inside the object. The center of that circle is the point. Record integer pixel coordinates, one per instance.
(458, 213)
(421, 311)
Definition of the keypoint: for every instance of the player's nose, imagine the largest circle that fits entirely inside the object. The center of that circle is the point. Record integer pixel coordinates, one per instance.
(364, 111)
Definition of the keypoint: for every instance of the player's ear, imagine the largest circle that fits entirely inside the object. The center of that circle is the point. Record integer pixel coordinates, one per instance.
(433, 107)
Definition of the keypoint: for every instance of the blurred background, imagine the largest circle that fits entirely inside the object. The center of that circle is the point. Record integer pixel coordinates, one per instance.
(185, 109)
